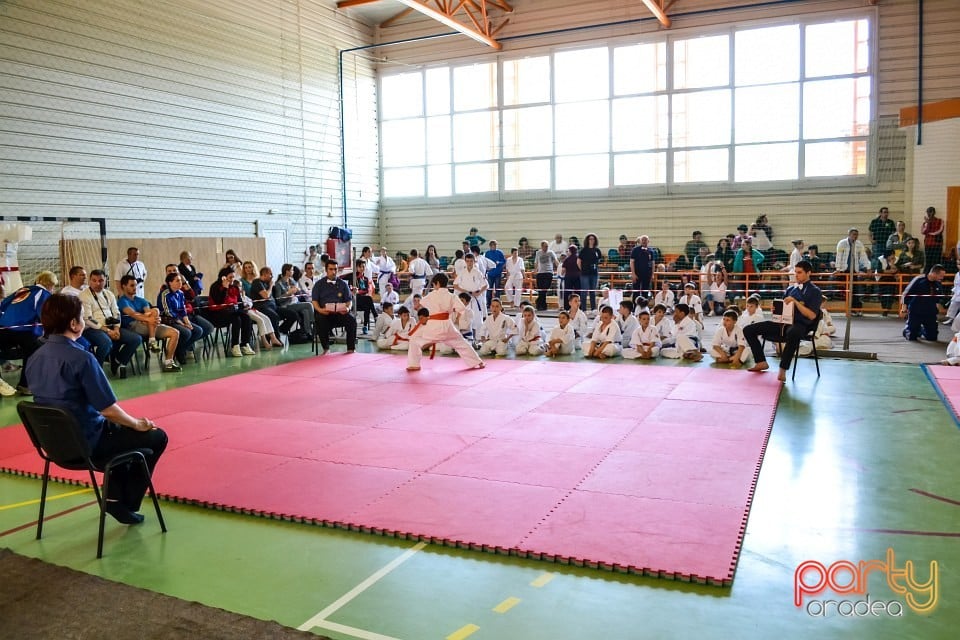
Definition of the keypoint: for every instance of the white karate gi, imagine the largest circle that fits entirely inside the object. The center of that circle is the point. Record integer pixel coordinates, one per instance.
(420, 272)
(474, 282)
(683, 338)
(529, 337)
(495, 334)
(380, 328)
(823, 336)
(728, 343)
(746, 319)
(392, 297)
(387, 268)
(440, 329)
(611, 334)
(649, 337)
(581, 328)
(664, 327)
(397, 336)
(667, 299)
(566, 337)
(627, 326)
(514, 286)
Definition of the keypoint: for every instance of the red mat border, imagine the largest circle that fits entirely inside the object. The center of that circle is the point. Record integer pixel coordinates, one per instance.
(725, 581)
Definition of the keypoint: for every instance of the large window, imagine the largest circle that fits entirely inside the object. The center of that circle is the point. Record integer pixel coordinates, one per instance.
(745, 104)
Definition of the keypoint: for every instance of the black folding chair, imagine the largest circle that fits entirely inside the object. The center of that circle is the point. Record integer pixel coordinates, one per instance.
(812, 337)
(57, 436)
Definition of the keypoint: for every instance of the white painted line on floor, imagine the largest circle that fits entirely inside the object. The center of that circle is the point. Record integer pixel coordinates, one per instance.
(360, 588)
(363, 634)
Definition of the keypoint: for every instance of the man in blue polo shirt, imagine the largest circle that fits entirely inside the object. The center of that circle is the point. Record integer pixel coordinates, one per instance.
(331, 302)
(62, 374)
(806, 297)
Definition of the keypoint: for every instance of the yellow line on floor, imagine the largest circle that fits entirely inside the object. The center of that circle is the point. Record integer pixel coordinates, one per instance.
(465, 631)
(27, 503)
(543, 580)
(507, 604)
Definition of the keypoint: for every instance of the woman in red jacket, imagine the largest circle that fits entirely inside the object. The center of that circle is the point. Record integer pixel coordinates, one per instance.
(226, 310)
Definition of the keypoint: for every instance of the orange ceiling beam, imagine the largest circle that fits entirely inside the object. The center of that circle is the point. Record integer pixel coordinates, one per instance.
(656, 8)
(346, 4)
(479, 27)
(469, 17)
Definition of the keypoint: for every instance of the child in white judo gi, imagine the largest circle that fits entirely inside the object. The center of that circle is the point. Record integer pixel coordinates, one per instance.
(497, 330)
(439, 328)
(578, 320)
(627, 322)
(752, 314)
(665, 296)
(729, 346)
(529, 333)
(473, 282)
(684, 340)
(515, 275)
(560, 342)
(382, 325)
(605, 340)
(663, 321)
(645, 342)
(397, 337)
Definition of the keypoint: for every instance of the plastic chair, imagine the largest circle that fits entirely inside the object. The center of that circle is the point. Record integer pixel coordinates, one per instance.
(57, 436)
(812, 337)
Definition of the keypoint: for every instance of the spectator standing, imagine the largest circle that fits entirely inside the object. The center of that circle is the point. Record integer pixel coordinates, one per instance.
(494, 273)
(545, 262)
(589, 261)
(524, 250)
(725, 254)
(131, 266)
(642, 260)
(932, 231)
(851, 258)
(571, 274)
(474, 239)
(881, 228)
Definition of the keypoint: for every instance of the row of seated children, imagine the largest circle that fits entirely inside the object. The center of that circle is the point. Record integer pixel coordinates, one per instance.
(632, 332)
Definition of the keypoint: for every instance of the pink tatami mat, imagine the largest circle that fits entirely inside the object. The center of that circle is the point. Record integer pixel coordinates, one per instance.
(622, 466)
(946, 381)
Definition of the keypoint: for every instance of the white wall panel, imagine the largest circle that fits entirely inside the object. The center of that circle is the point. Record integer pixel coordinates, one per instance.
(184, 117)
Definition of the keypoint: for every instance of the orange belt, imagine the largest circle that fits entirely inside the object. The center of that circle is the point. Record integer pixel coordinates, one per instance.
(439, 316)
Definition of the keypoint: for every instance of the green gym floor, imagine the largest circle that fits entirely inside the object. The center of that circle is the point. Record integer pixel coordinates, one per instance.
(848, 457)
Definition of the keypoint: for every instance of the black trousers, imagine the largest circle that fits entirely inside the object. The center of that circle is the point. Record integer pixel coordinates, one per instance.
(324, 324)
(127, 484)
(28, 344)
(544, 280)
(239, 322)
(365, 304)
(776, 332)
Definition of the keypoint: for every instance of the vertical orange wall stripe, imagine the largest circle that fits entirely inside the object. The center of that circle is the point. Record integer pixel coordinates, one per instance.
(952, 220)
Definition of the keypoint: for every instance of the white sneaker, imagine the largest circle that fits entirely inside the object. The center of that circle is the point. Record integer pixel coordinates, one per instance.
(6, 389)
(247, 351)
(235, 351)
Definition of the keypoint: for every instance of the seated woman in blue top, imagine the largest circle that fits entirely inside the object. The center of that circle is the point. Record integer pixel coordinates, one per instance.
(20, 322)
(173, 313)
(62, 374)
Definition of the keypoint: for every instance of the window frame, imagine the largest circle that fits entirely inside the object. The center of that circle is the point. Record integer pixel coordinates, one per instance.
(669, 186)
